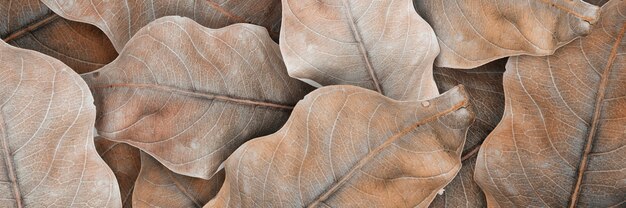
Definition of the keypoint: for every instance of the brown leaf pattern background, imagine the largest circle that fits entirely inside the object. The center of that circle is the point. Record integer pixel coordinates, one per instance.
(213, 103)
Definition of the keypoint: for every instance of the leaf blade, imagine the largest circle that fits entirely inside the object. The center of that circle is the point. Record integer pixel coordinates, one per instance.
(577, 76)
(207, 92)
(345, 42)
(473, 33)
(49, 156)
(350, 169)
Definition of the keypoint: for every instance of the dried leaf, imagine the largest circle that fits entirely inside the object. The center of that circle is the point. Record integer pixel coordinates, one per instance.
(484, 87)
(379, 45)
(562, 138)
(159, 187)
(189, 95)
(47, 154)
(338, 151)
(30, 24)
(121, 19)
(474, 32)
(125, 162)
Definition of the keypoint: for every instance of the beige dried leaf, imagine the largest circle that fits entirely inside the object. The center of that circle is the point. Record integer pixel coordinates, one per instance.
(474, 32)
(189, 95)
(562, 141)
(379, 45)
(47, 153)
(345, 146)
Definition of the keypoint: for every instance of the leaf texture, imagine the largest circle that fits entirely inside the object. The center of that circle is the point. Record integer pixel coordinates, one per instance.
(379, 45)
(125, 162)
(159, 187)
(474, 32)
(30, 24)
(121, 19)
(486, 97)
(47, 153)
(189, 95)
(345, 146)
(562, 139)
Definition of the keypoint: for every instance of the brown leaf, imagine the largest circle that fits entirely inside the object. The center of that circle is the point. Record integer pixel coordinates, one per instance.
(47, 154)
(30, 24)
(562, 140)
(379, 45)
(346, 146)
(189, 95)
(474, 32)
(159, 187)
(121, 19)
(484, 88)
(125, 162)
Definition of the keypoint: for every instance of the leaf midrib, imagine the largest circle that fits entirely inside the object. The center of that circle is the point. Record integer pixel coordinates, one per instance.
(226, 12)
(596, 117)
(362, 50)
(365, 160)
(8, 159)
(205, 95)
(569, 11)
(35, 25)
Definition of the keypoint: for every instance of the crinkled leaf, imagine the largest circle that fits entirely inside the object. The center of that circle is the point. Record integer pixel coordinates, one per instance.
(562, 138)
(47, 153)
(190, 95)
(159, 187)
(30, 24)
(484, 87)
(125, 162)
(346, 146)
(121, 19)
(379, 45)
(474, 32)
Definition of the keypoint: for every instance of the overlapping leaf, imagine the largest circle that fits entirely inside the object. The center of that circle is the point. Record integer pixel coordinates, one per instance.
(159, 187)
(190, 95)
(30, 24)
(474, 32)
(121, 19)
(47, 153)
(346, 146)
(379, 45)
(125, 162)
(486, 96)
(562, 138)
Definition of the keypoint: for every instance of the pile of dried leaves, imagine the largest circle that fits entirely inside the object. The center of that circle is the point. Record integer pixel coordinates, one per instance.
(213, 103)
